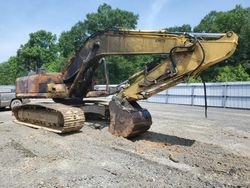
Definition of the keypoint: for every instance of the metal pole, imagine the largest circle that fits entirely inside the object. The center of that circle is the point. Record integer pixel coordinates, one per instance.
(106, 72)
(205, 96)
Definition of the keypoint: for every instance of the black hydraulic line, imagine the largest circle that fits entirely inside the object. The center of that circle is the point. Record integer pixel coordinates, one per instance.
(203, 58)
(172, 51)
(205, 96)
(203, 81)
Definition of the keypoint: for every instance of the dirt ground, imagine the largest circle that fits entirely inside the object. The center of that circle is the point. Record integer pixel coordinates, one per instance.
(182, 149)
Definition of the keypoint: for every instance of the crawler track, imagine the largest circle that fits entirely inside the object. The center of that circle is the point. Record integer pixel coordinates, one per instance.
(58, 118)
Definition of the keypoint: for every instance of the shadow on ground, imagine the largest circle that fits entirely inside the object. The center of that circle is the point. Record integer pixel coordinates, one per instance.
(163, 138)
(94, 124)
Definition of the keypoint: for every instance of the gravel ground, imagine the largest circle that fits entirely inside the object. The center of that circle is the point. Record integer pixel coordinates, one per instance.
(182, 149)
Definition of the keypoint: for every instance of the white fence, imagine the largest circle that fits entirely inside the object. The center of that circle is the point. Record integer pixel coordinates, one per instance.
(227, 95)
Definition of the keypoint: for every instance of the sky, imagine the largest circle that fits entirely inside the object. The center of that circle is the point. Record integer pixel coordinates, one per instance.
(18, 18)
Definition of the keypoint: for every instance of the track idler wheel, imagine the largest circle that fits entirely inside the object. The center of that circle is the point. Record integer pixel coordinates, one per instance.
(128, 118)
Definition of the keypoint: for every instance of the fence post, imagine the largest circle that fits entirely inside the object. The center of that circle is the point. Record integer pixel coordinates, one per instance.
(166, 97)
(192, 95)
(224, 95)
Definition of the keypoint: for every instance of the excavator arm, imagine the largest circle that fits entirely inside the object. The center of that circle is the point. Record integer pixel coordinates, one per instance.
(188, 55)
(181, 55)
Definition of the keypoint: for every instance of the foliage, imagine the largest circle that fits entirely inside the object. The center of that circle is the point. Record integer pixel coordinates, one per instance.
(106, 17)
(232, 20)
(40, 49)
(71, 41)
(244, 48)
(183, 28)
(237, 20)
(194, 80)
(232, 73)
(121, 68)
(9, 71)
(55, 66)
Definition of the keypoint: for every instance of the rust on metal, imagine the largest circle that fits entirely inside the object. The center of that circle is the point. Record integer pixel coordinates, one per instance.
(128, 119)
(97, 94)
(45, 85)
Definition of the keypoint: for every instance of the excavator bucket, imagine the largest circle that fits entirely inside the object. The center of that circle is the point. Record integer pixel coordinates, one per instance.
(128, 118)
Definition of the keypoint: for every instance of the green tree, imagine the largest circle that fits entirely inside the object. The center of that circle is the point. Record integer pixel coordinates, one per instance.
(232, 73)
(56, 66)
(40, 49)
(9, 71)
(4, 74)
(106, 17)
(236, 20)
(232, 20)
(208, 23)
(244, 47)
(121, 68)
(71, 41)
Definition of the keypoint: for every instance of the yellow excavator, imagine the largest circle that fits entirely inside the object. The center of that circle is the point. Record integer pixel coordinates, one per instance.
(182, 55)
